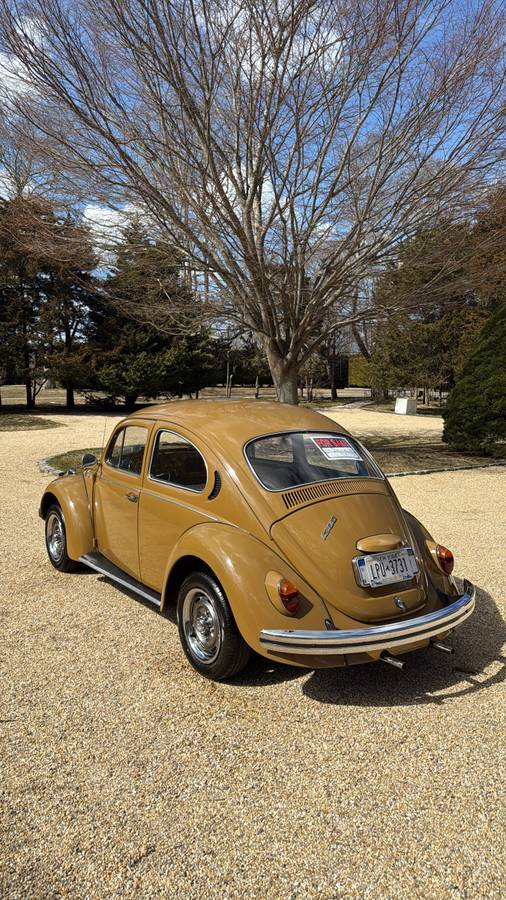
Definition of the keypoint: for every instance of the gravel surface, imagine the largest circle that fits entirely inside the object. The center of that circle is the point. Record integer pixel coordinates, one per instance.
(125, 774)
(363, 421)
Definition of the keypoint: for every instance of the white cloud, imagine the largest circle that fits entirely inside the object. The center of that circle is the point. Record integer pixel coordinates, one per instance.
(31, 29)
(105, 223)
(316, 43)
(14, 80)
(7, 186)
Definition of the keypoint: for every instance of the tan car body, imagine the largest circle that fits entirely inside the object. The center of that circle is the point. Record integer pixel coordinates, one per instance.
(250, 537)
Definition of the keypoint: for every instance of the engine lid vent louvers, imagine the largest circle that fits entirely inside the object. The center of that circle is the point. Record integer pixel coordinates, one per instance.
(302, 495)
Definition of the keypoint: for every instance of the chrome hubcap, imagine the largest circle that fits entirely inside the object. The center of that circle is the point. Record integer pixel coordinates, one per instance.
(202, 626)
(55, 537)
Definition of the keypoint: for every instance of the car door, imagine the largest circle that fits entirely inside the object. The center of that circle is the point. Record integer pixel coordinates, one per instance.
(116, 496)
(174, 498)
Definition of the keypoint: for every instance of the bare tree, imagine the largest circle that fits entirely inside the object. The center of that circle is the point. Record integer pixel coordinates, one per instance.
(284, 146)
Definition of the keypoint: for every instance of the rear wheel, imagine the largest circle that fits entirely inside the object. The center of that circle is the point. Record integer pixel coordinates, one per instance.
(207, 630)
(56, 541)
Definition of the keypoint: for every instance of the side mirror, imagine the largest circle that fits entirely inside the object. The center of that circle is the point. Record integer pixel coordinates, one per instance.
(89, 459)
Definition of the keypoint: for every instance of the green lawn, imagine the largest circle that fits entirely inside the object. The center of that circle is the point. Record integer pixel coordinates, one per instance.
(71, 459)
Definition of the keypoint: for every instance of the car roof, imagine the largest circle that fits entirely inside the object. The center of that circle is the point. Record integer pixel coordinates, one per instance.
(231, 423)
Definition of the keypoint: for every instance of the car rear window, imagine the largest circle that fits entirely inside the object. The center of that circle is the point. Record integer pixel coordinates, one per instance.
(282, 461)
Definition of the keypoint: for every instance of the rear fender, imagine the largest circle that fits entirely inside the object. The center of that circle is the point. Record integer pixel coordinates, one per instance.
(241, 562)
(71, 494)
(438, 582)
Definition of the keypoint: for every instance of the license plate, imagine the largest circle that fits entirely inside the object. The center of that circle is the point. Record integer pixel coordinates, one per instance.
(377, 569)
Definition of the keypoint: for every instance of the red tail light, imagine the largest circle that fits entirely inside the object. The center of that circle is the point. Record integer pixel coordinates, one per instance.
(445, 559)
(289, 596)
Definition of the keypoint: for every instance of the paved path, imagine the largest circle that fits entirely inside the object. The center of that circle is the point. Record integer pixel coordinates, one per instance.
(124, 774)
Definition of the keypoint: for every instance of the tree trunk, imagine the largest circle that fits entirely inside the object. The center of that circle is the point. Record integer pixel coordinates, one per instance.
(360, 342)
(130, 400)
(285, 377)
(30, 399)
(333, 389)
(69, 389)
(30, 394)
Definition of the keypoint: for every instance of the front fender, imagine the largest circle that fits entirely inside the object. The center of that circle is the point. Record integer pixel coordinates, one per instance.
(71, 493)
(241, 563)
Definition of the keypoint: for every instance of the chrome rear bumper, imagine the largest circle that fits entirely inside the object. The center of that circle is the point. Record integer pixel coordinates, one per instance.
(402, 634)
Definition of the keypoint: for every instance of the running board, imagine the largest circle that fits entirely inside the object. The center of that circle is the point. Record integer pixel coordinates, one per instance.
(100, 564)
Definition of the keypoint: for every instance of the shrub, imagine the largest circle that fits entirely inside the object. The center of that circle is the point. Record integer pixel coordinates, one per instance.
(475, 415)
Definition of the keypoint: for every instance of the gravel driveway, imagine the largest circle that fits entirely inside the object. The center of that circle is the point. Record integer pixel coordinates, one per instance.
(124, 774)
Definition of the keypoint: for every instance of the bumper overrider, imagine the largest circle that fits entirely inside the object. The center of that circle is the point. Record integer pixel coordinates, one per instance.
(401, 634)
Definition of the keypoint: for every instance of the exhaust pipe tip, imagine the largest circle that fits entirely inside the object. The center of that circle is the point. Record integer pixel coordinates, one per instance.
(443, 647)
(393, 661)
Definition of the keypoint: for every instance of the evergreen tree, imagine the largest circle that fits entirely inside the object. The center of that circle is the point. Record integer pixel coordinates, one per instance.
(68, 293)
(475, 416)
(410, 353)
(45, 281)
(130, 356)
(426, 344)
(22, 271)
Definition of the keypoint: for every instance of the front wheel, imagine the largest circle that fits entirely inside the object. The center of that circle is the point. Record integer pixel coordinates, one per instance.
(56, 541)
(207, 630)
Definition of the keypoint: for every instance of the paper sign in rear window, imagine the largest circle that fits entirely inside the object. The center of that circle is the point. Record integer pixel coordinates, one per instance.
(335, 447)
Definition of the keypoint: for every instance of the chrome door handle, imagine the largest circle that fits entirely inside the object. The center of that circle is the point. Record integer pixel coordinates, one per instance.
(132, 497)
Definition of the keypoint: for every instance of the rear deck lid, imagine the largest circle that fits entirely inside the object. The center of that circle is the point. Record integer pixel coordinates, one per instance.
(320, 540)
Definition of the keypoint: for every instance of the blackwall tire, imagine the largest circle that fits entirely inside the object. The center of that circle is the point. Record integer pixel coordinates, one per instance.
(207, 630)
(56, 541)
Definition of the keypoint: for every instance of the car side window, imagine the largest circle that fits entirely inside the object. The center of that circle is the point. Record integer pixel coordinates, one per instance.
(114, 452)
(126, 451)
(176, 461)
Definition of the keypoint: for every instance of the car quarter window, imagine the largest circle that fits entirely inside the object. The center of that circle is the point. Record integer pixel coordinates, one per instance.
(177, 461)
(126, 450)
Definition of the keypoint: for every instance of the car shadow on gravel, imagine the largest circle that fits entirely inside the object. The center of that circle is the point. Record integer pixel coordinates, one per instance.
(261, 672)
(431, 677)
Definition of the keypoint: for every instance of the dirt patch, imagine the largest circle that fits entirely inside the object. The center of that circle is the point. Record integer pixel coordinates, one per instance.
(24, 422)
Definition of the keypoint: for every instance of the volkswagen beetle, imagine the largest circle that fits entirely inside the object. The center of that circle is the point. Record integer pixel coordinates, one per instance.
(271, 529)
